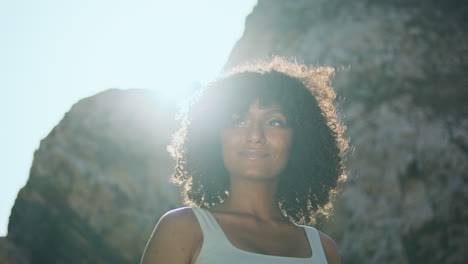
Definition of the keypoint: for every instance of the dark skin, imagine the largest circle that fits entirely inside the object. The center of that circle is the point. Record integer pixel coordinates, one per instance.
(255, 152)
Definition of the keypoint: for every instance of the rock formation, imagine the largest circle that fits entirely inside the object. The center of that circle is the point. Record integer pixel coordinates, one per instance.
(402, 83)
(11, 254)
(98, 183)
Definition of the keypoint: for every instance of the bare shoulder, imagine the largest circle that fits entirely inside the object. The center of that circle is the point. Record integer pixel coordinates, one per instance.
(330, 248)
(179, 219)
(174, 239)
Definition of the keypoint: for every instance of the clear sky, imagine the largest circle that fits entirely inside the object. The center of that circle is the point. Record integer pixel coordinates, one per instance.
(54, 53)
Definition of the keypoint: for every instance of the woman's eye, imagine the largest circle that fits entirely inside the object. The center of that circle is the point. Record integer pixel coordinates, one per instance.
(276, 123)
(240, 122)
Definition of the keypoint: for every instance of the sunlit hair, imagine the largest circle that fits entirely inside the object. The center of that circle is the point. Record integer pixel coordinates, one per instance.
(315, 166)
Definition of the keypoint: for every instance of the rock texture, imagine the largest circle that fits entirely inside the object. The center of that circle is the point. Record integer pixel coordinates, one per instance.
(11, 254)
(402, 77)
(98, 182)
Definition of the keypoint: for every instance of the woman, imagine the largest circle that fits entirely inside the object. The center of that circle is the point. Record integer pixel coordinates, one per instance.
(259, 152)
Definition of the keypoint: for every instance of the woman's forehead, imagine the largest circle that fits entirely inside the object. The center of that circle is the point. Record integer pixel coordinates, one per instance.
(265, 107)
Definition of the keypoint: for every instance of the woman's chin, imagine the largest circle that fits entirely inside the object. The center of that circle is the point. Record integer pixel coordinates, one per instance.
(257, 176)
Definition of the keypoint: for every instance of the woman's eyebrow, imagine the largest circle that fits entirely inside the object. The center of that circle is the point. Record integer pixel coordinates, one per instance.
(274, 111)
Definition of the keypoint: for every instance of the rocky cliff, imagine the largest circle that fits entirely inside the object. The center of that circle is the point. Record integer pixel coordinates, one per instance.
(402, 79)
(97, 185)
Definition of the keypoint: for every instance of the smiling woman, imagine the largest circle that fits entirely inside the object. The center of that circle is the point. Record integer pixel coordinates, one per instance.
(256, 146)
(259, 153)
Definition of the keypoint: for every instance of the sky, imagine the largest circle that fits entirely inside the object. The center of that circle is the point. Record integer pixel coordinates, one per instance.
(54, 53)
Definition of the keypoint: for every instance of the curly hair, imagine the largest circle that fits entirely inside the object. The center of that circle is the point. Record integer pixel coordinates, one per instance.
(315, 166)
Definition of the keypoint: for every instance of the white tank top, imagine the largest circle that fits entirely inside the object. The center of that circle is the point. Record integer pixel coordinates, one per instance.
(217, 249)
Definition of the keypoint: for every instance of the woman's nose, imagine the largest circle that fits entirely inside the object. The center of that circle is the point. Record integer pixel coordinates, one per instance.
(256, 134)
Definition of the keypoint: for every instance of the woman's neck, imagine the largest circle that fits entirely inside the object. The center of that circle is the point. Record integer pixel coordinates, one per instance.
(254, 198)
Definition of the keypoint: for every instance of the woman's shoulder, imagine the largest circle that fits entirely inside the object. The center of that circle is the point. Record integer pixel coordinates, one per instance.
(330, 248)
(175, 238)
(182, 220)
(328, 244)
(182, 215)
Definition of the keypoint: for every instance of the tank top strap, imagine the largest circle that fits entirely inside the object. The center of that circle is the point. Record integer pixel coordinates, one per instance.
(315, 244)
(208, 224)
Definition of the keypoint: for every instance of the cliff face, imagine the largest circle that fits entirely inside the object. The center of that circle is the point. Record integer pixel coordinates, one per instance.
(402, 81)
(11, 254)
(98, 182)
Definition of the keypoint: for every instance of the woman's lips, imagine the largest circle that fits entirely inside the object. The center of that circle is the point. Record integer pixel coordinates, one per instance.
(254, 155)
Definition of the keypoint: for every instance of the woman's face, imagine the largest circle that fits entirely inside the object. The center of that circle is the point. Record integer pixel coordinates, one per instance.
(256, 146)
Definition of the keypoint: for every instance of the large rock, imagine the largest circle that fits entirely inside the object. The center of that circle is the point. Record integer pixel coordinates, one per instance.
(11, 254)
(403, 83)
(98, 182)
